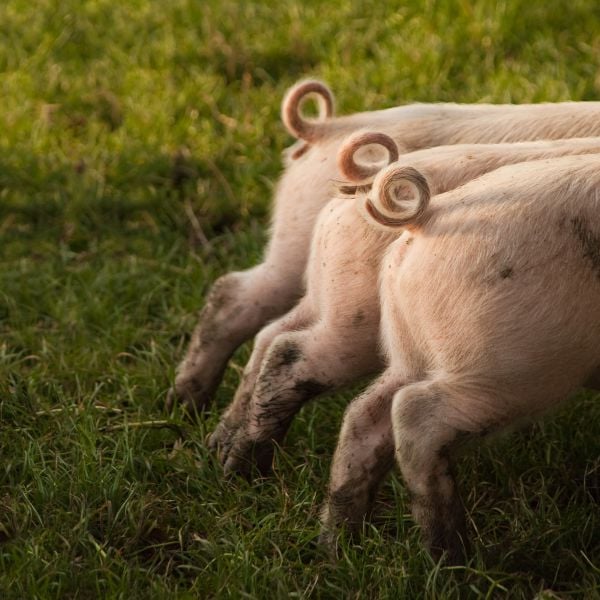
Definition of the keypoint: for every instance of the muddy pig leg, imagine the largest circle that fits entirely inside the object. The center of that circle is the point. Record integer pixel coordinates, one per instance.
(363, 456)
(237, 306)
(235, 415)
(298, 366)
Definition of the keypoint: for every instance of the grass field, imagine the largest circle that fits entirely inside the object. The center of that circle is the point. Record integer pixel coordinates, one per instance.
(123, 126)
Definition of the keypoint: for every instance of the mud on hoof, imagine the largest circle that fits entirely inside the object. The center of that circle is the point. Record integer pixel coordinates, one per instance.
(221, 439)
(452, 553)
(328, 541)
(445, 536)
(334, 528)
(247, 457)
(190, 395)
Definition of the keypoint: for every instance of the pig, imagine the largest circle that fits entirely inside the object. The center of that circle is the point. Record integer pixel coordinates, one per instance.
(490, 315)
(241, 303)
(331, 337)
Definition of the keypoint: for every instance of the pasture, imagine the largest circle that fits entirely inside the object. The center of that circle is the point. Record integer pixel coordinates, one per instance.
(139, 147)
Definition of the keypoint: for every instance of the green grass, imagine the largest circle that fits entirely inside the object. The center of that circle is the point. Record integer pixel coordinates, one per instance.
(120, 120)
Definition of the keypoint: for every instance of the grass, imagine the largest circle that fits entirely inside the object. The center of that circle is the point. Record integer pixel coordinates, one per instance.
(123, 126)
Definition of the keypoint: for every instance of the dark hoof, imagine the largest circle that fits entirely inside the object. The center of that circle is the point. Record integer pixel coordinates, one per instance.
(450, 557)
(452, 551)
(248, 458)
(221, 438)
(223, 434)
(328, 539)
(189, 396)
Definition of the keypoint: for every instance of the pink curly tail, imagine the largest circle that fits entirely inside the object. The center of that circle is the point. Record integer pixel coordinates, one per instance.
(296, 124)
(357, 172)
(399, 197)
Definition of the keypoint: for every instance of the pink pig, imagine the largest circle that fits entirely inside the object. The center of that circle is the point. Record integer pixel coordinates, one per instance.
(490, 309)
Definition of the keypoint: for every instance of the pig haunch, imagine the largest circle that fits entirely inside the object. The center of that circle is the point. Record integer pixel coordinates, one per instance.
(473, 338)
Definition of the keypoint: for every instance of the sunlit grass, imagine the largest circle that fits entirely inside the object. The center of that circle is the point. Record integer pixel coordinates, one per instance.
(123, 126)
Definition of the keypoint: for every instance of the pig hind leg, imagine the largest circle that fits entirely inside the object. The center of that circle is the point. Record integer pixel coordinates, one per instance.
(238, 305)
(364, 455)
(235, 415)
(427, 428)
(298, 366)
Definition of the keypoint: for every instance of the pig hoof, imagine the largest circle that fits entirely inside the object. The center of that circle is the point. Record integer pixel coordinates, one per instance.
(221, 438)
(236, 466)
(328, 540)
(190, 396)
(248, 456)
(452, 553)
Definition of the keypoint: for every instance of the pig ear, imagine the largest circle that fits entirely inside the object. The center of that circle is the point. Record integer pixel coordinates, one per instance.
(399, 198)
(361, 172)
(308, 130)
